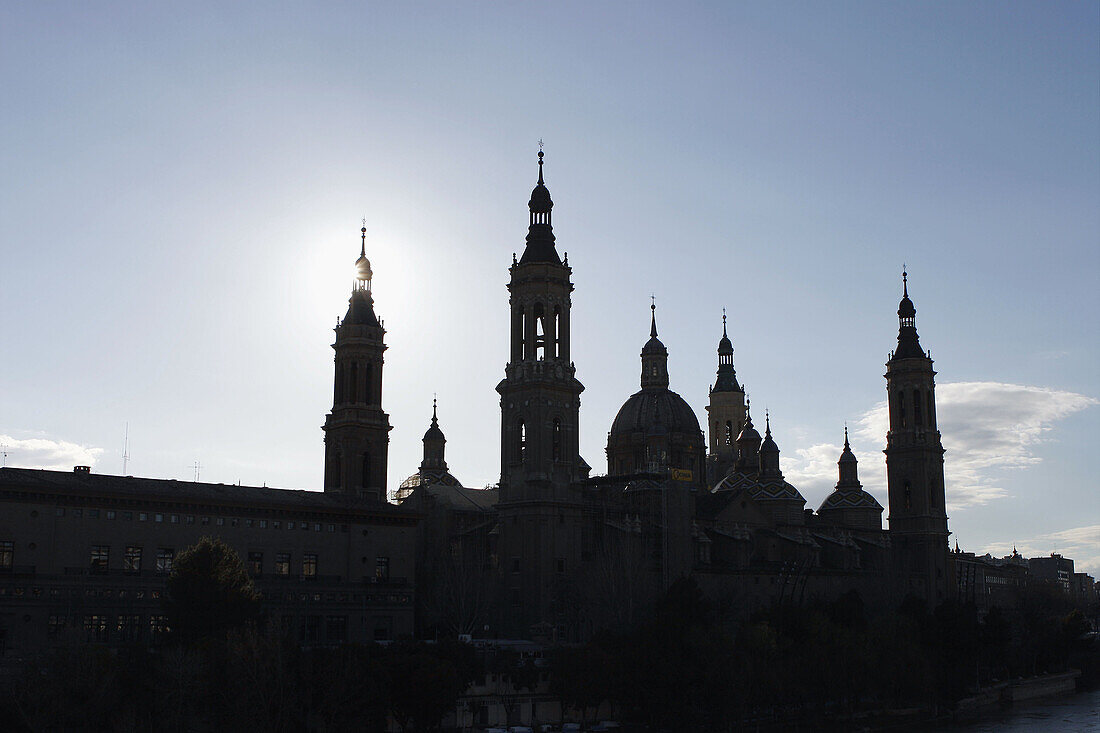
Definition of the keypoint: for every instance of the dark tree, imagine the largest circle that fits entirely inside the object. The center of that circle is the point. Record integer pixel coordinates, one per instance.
(209, 592)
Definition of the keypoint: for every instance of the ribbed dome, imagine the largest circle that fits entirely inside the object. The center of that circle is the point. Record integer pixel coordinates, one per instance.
(655, 410)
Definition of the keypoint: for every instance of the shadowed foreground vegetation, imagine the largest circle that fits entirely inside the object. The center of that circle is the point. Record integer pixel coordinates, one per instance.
(687, 667)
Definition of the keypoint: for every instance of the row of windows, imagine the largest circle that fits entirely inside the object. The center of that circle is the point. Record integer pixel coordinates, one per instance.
(190, 519)
(100, 557)
(101, 628)
(122, 594)
(125, 594)
(99, 560)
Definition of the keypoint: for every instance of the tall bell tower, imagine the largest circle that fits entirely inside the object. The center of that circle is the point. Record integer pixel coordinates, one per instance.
(725, 412)
(540, 394)
(914, 463)
(357, 430)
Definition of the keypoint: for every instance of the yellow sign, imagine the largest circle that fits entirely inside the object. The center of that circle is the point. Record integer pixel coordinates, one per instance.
(681, 474)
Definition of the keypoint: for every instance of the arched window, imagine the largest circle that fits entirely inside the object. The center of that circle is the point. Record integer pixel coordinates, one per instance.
(365, 482)
(557, 331)
(556, 440)
(931, 413)
(932, 494)
(908, 496)
(729, 433)
(901, 409)
(521, 442)
(339, 384)
(354, 383)
(540, 332)
(916, 408)
(368, 377)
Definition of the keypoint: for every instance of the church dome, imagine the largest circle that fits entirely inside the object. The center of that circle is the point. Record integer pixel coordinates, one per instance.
(655, 410)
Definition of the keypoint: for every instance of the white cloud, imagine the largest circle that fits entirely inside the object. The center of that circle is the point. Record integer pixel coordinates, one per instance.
(1082, 544)
(987, 428)
(58, 455)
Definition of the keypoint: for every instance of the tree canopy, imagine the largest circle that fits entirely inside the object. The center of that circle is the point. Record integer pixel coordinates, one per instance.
(209, 592)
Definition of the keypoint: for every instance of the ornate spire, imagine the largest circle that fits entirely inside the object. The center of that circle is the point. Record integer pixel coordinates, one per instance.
(654, 355)
(908, 342)
(769, 451)
(363, 272)
(727, 375)
(748, 444)
(540, 234)
(434, 444)
(849, 471)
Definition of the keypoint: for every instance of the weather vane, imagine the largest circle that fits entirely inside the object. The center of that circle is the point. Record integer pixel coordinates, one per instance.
(540, 144)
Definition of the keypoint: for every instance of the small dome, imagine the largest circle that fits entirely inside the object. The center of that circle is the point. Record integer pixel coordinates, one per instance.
(434, 433)
(725, 346)
(654, 346)
(540, 199)
(362, 268)
(748, 432)
(906, 309)
(653, 411)
(769, 446)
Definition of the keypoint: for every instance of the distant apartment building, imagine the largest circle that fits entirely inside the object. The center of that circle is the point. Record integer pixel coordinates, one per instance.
(1055, 569)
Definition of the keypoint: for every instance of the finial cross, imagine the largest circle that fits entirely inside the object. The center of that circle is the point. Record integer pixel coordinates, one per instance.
(540, 144)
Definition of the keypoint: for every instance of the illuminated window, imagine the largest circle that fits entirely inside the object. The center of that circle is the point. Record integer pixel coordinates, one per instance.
(282, 563)
(99, 558)
(309, 566)
(165, 555)
(131, 561)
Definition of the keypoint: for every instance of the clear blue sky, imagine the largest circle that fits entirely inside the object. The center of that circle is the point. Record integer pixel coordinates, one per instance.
(183, 185)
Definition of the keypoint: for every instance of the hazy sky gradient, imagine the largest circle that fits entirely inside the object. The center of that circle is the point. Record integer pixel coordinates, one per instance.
(183, 186)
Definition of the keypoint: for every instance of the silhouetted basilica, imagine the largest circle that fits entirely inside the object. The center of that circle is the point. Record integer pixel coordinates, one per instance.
(555, 552)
